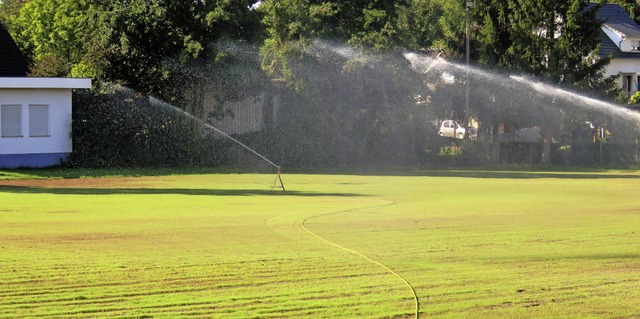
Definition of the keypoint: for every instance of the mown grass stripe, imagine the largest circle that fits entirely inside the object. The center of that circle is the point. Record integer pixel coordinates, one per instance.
(470, 246)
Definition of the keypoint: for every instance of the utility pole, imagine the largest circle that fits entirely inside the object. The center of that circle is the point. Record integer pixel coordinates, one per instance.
(468, 8)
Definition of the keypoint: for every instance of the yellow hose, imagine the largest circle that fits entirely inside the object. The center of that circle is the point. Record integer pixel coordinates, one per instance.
(388, 203)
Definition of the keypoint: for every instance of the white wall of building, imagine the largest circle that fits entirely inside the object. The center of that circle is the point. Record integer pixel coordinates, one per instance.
(628, 72)
(630, 44)
(623, 66)
(59, 139)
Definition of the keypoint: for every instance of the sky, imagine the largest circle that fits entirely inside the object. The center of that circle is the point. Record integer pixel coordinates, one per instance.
(254, 6)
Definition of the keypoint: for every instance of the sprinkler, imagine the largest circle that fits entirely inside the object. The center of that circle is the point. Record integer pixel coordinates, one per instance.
(213, 128)
(278, 179)
(278, 169)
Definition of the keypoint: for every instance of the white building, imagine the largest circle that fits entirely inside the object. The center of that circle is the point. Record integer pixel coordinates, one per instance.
(621, 40)
(35, 120)
(35, 113)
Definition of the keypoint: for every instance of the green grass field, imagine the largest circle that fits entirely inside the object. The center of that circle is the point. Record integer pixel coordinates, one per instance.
(472, 244)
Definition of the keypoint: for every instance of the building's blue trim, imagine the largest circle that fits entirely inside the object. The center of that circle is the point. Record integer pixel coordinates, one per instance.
(31, 160)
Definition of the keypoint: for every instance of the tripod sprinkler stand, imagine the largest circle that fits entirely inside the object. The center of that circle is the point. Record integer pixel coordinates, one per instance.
(278, 179)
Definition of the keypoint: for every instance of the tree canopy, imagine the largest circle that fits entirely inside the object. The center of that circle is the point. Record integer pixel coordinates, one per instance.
(137, 42)
(557, 40)
(131, 42)
(207, 52)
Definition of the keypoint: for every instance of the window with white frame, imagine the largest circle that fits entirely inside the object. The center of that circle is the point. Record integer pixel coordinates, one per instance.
(11, 120)
(39, 120)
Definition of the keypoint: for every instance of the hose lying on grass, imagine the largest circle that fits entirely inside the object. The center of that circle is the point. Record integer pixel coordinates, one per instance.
(387, 203)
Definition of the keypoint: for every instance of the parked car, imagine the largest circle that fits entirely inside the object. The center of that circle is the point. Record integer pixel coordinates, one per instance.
(450, 128)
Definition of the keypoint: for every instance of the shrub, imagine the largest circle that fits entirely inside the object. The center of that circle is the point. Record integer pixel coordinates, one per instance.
(125, 129)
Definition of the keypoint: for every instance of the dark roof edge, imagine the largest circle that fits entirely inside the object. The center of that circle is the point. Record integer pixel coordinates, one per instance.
(13, 63)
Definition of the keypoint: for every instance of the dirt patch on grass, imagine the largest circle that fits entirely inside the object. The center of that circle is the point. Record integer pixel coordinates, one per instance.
(96, 237)
(106, 182)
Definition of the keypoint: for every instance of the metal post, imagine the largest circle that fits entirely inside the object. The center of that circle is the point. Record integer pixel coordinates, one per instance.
(467, 55)
(637, 158)
(601, 153)
(281, 183)
(530, 154)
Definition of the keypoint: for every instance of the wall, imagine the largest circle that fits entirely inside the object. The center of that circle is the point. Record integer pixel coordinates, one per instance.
(247, 116)
(627, 66)
(629, 44)
(38, 151)
(620, 67)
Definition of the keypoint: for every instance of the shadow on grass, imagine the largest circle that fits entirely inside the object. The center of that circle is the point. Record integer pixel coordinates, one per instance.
(526, 174)
(163, 191)
(495, 173)
(59, 172)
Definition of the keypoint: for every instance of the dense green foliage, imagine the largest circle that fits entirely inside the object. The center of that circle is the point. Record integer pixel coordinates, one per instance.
(153, 40)
(123, 129)
(139, 42)
(61, 37)
(433, 24)
(369, 117)
(344, 91)
(556, 40)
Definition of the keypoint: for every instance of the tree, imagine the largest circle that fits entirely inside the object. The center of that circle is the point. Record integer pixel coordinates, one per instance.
(352, 103)
(60, 37)
(291, 24)
(556, 40)
(433, 24)
(147, 33)
(635, 98)
(125, 41)
(10, 9)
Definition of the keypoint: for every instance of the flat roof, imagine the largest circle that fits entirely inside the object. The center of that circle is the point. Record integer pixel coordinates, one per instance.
(44, 83)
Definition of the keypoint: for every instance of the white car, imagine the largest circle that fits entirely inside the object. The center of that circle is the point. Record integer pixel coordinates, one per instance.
(450, 128)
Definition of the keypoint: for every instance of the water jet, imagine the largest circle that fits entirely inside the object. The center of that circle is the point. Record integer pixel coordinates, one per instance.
(210, 127)
(507, 104)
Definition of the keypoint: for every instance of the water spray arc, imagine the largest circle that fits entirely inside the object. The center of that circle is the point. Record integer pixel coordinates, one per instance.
(573, 127)
(278, 178)
(587, 102)
(213, 128)
(424, 64)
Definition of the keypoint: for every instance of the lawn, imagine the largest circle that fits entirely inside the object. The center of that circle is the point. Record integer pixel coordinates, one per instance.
(471, 244)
